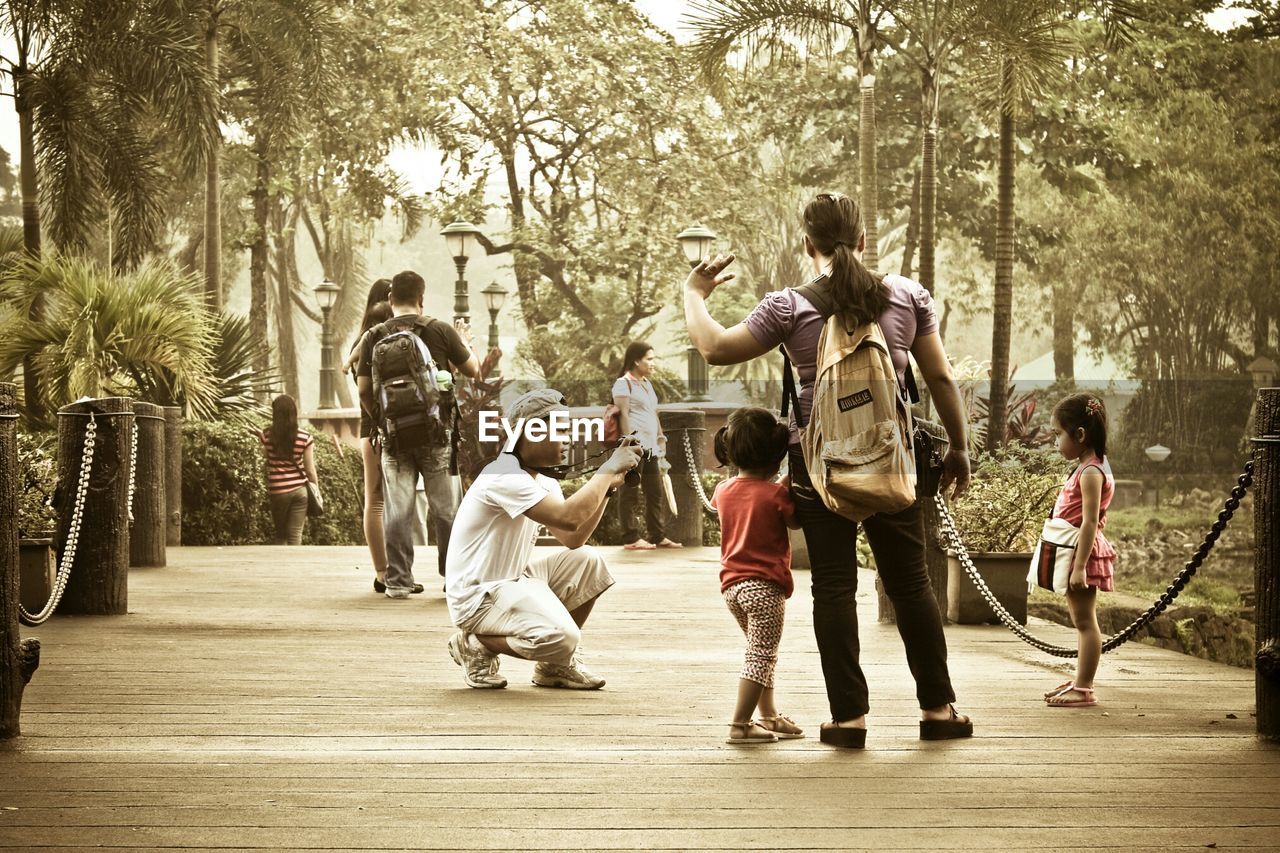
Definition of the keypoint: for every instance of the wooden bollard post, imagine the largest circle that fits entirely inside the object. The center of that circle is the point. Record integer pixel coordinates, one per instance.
(173, 475)
(686, 526)
(98, 583)
(18, 658)
(1266, 578)
(147, 534)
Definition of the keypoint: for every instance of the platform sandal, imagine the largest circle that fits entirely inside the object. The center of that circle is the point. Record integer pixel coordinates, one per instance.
(752, 733)
(848, 738)
(954, 727)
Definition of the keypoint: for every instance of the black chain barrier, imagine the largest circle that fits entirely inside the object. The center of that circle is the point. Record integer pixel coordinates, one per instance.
(1243, 483)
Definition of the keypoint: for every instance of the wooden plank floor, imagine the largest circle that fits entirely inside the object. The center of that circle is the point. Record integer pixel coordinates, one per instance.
(266, 698)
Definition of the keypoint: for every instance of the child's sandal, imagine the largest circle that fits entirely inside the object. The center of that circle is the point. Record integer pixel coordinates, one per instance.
(781, 725)
(752, 733)
(1061, 688)
(1060, 700)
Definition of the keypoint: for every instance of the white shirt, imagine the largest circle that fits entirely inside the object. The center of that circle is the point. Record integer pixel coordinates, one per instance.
(643, 412)
(492, 540)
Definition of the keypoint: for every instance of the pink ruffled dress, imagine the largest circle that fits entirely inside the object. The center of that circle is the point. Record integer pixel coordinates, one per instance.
(1100, 570)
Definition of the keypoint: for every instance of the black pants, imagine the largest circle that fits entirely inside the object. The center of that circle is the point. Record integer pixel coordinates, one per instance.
(654, 498)
(898, 543)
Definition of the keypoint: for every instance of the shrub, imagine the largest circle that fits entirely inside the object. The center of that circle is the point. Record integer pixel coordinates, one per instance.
(224, 493)
(38, 462)
(1012, 493)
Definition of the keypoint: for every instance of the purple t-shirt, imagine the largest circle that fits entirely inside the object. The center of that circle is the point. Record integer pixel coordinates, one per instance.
(785, 317)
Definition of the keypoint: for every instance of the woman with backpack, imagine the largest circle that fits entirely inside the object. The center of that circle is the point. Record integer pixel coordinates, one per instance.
(290, 465)
(834, 241)
(637, 413)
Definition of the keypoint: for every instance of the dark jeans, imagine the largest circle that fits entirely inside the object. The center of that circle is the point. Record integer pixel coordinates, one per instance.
(898, 543)
(655, 498)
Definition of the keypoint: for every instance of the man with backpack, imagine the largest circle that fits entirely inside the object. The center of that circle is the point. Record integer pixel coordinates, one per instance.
(406, 386)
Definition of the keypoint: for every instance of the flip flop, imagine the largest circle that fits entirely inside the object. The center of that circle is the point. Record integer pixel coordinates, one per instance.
(847, 737)
(1057, 700)
(667, 543)
(639, 546)
(1066, 685)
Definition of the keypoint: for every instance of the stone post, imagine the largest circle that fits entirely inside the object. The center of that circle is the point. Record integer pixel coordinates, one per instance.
(147, 534)
(98, 583)
(18, 658)
(686, 526)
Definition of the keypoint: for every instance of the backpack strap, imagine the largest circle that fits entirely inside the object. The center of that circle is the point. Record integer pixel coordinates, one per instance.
(819, 295)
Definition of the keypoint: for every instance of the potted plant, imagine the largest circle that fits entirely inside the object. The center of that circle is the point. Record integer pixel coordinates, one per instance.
(36, 518)
(999, 520)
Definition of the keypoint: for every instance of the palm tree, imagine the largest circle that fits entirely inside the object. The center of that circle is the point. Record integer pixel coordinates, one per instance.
(107, 333)
(278, 49)
(764, 25)
(98, 84)
(933, 30)
(1025, 51)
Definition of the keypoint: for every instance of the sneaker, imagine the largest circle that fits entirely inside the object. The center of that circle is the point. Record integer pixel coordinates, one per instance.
(479, 665)
(397, 592)
(379, 586)
(575, 676)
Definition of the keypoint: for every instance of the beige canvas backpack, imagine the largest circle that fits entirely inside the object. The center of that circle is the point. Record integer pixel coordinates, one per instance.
(857, 443)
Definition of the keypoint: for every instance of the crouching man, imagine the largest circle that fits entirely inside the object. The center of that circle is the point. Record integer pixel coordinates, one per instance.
(500, 601)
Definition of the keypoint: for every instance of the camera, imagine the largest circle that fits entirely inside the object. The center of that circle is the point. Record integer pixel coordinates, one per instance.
(633, 476)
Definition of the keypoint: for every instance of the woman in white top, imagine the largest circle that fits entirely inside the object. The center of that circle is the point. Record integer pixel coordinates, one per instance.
(637, 404)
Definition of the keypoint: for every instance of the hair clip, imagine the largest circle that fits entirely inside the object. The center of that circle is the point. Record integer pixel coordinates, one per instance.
(1093, 406)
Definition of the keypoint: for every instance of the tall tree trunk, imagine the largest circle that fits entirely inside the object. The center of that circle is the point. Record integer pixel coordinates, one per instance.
(1064, 334)
(213, 189)
(868, 189)
(912, 241)
(928, 174)
(287, 344)
(1261, 330)
(30, 223)
(258, 249)
(1003, 302)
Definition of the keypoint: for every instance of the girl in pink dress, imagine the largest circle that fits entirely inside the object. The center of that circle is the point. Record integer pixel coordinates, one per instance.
(1080, 432)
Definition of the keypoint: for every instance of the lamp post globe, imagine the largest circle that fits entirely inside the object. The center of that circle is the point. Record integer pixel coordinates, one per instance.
(494, 297)
(461, 237)
(696, 242)
(1157, 453)
(326, 297)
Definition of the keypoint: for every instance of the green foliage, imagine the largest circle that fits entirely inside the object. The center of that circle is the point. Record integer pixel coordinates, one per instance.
(224, 493)
(38, 463)
(1012, 493)
(143, 334)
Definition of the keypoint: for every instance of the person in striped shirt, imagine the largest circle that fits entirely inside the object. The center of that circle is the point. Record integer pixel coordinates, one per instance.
(290, 464)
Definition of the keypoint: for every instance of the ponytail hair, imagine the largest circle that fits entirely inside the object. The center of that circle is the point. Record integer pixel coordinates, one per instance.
(753, 440)
(1086, 412)
(833, 223)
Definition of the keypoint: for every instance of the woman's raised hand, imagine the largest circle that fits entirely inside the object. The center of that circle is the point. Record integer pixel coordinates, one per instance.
(710, 274)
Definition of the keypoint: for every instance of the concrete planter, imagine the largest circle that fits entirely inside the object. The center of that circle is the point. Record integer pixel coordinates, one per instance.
(37, 570)
(1006, 576)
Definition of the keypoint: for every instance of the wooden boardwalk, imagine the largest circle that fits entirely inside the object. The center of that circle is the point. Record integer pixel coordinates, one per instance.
(266, 698)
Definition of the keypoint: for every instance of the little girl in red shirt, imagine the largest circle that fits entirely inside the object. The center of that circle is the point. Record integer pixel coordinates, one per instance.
(755, 558)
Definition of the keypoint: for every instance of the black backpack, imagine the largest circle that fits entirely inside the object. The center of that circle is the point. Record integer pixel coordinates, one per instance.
(413, 410)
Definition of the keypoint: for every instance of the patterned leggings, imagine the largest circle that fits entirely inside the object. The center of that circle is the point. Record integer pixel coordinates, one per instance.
(760, 607)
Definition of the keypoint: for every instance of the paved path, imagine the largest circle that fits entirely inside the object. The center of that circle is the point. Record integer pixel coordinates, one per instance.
(265, 698)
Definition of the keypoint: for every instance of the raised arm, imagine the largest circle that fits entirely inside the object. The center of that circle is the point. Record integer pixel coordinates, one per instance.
(573, 520)
(717, 344)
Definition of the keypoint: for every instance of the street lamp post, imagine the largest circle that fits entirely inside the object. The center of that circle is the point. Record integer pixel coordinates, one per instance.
(494, 295)
(326, 295)
(461, 239)
(1157, 453)
(696, 242)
